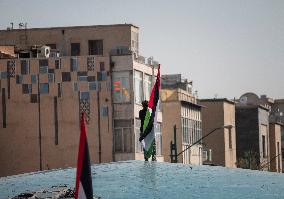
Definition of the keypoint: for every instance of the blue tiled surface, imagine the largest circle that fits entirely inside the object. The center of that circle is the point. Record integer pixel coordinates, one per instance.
(138, 179)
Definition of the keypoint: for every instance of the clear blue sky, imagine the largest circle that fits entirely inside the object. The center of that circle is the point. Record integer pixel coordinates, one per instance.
(227, 47)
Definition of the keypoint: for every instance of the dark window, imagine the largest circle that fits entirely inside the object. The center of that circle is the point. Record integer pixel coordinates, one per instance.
(102, 66)
(43, 62)
(91, 78)
(52, 46)
(263, 146)
(50, 77)
(26, 88)
(84, 95)
(33, 98)
(34, 79)
(25, 68)
(82, 76)
(4, 75)
(43, 69)
(66, 76)
(230, 138)
(75, 49)
(19, 79)
(104, 111)
(92, 85)
(95, 47)
(57, 64)
(102, 76)
(51, 70)
(75, 86)
(44, 88)
(59, 89)
(73, 64)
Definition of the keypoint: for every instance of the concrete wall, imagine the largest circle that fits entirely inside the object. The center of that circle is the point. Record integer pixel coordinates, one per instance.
(275, 147)
(112, 36)
(31, 127)
(213, 117)
(171, 118)
(230, 135)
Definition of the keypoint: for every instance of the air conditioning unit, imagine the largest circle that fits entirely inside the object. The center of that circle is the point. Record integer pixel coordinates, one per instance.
(44, 51)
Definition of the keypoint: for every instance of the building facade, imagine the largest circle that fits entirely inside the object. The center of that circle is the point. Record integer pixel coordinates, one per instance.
(217, 113)
(180, 108)
(275, 147)
(92, 71)
(265, 113)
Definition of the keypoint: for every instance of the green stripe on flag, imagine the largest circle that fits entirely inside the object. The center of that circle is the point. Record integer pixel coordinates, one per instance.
(146, 120)
(149, 152)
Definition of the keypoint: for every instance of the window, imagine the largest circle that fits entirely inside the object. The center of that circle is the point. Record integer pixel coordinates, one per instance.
(147, 86)
(102, 76)
(138, 87)
(84, 95)
(52, 46)
(43, 66)
(33, 98)
(263, 147)
(34, 79)
(19, 79)
(59, 89)
(95, 47)
(135, 41)
(50, 77)
(122, 136)
(138, 147)
(92, 86)
(91, 78)
(25, 67)
(75, 49)
(4, 75)
(58, 64)
(230, 138)
(66, 76)
(43, 62)
(26, 88)
(73, 64)
(158, 137)
(75, 86)
(82, 76)
(121, 87)
(43, 69)
(104, 111)
(44, 88)
(102, 66)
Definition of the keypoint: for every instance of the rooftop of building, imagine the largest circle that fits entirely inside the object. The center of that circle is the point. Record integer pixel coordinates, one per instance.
(217, 100)
(70, 27)
(155, 180)
(251, 106)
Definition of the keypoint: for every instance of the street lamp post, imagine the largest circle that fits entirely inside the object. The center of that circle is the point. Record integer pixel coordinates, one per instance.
(198, 141)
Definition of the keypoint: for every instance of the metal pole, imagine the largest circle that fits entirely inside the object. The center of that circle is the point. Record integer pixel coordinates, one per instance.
(175, 143)
(198, 141)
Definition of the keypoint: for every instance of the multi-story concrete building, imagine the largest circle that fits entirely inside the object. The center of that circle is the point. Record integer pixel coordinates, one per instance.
(94, 70)
(264, 123)
(252, 127)
(219, 113)
(180, 108)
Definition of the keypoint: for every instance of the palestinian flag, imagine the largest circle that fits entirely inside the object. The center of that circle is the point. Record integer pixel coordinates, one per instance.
(84, 187)
(148, 136)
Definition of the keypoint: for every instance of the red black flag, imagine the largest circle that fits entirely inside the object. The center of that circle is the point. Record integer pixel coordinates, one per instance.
(84, 187)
